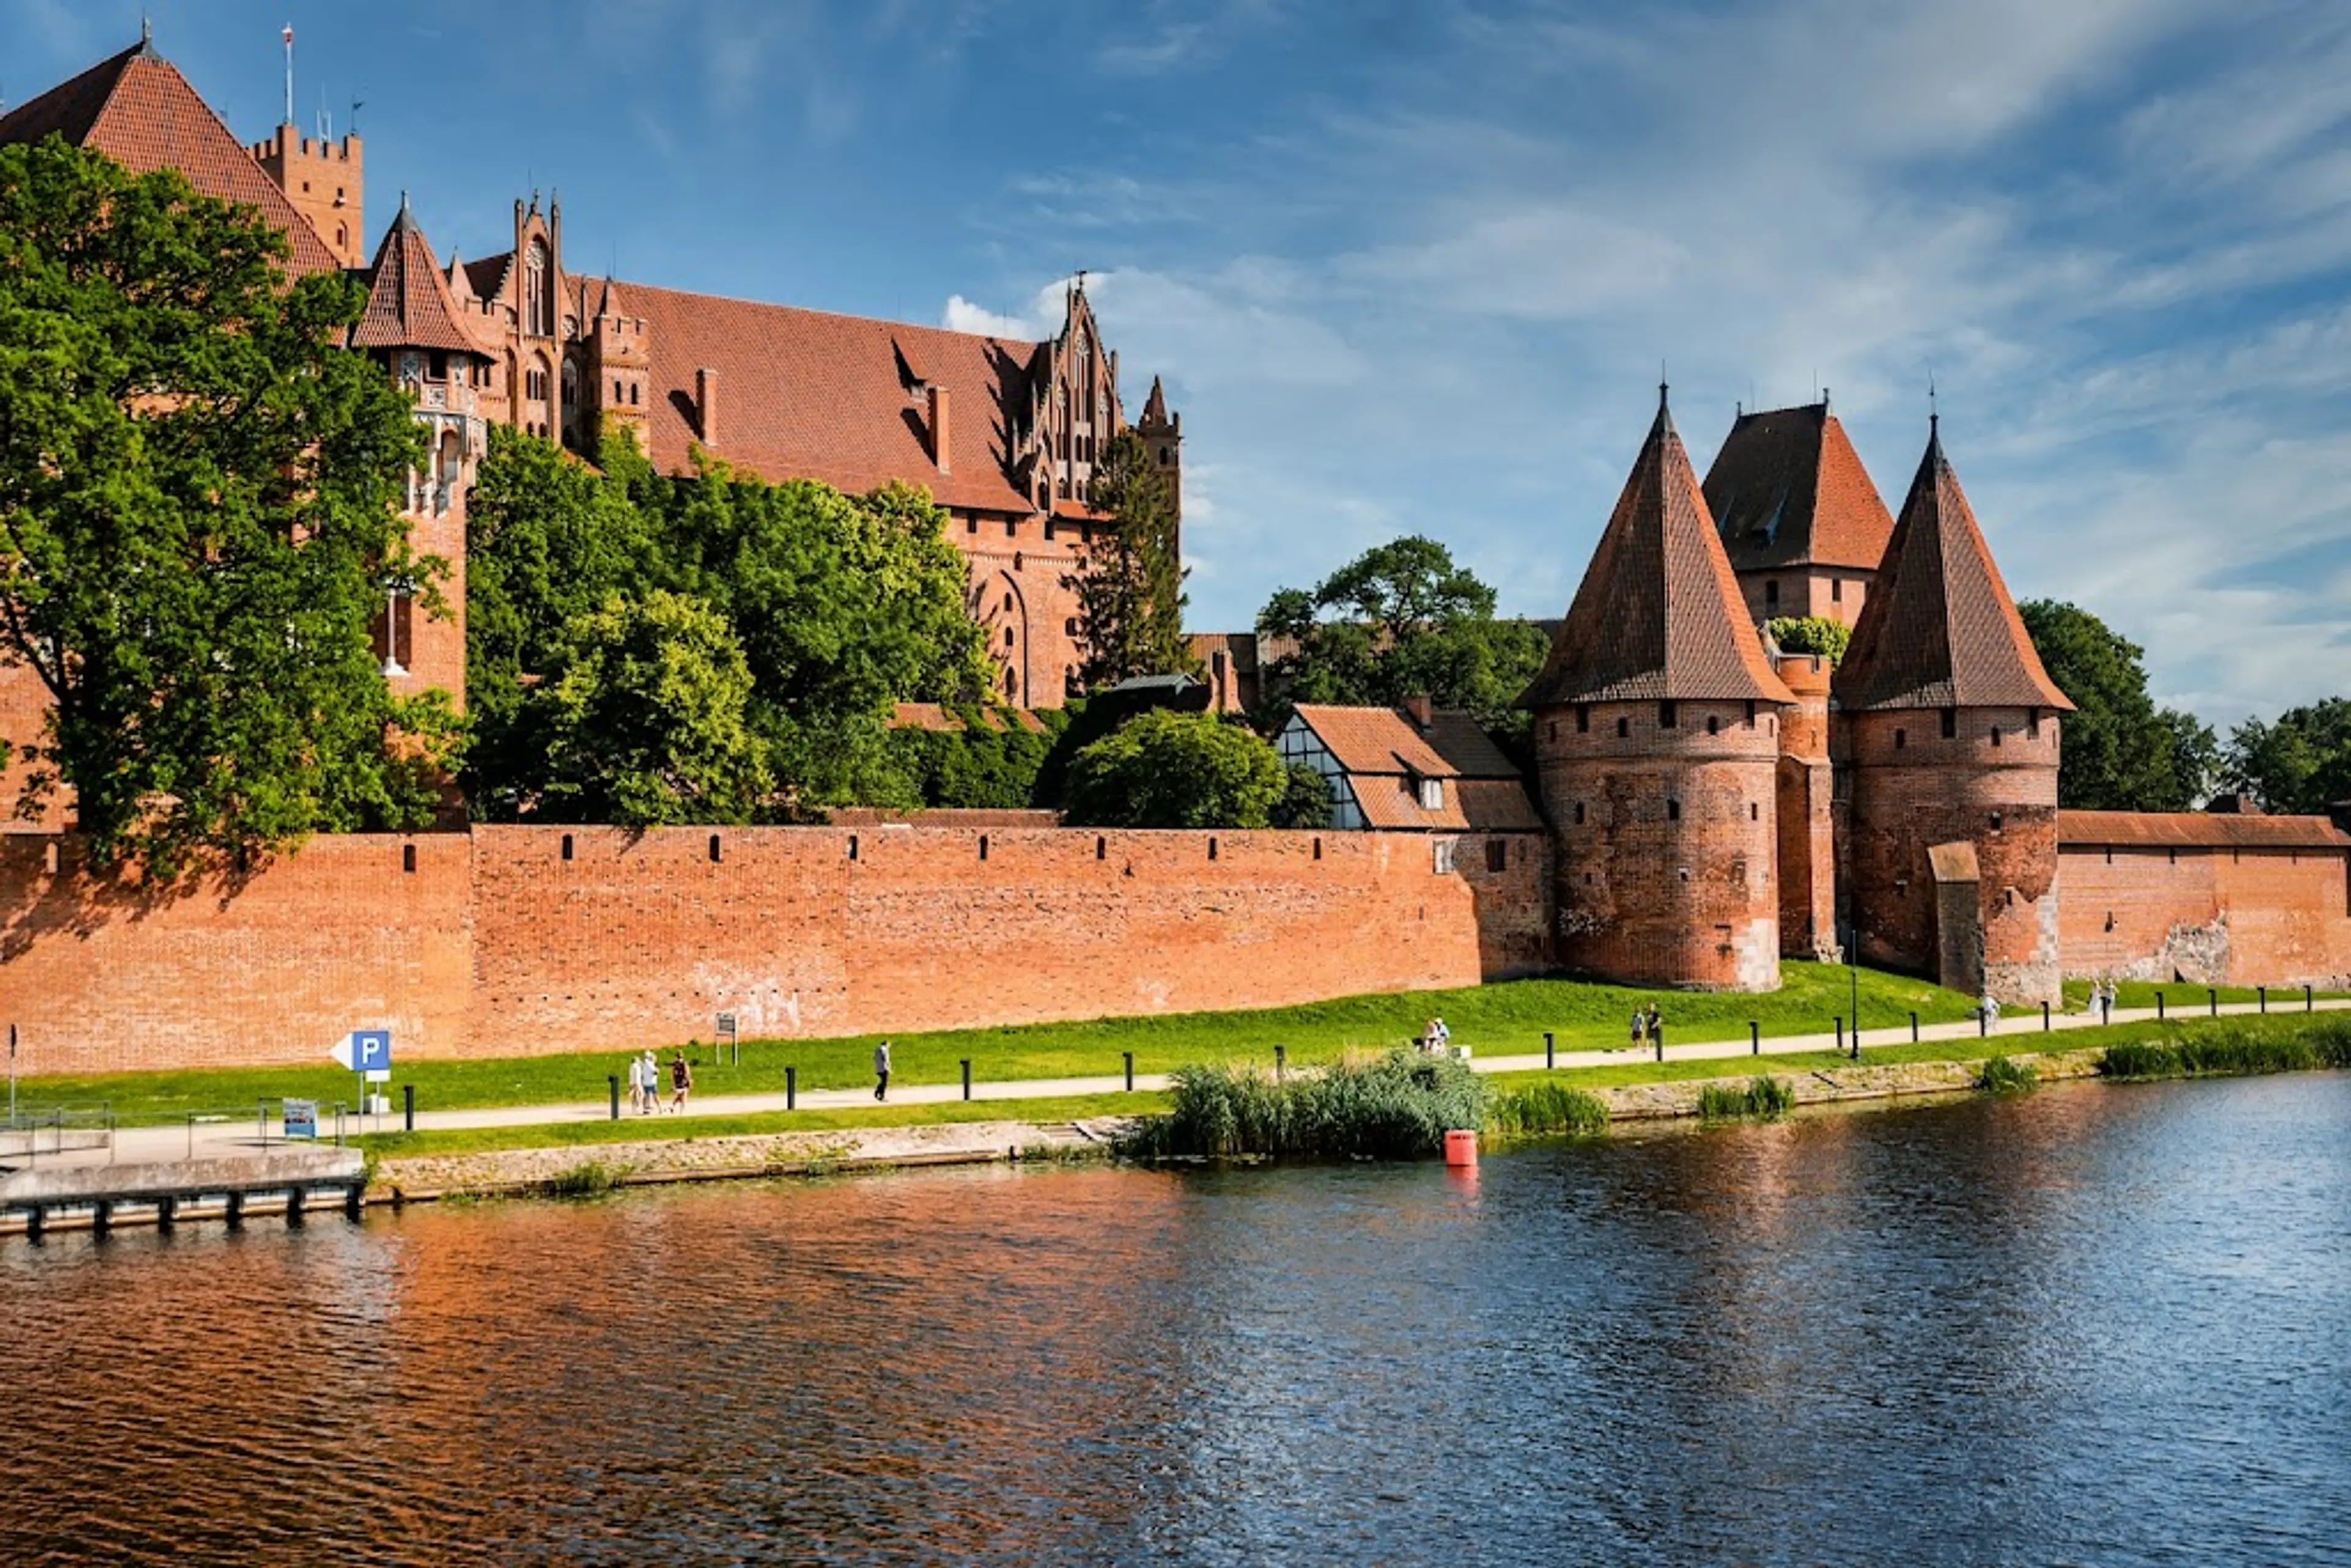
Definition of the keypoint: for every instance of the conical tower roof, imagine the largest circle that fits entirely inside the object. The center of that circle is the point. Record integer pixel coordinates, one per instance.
(138, 110)
(1939, 629)
(408, 304)
(1155, 407)
(1659, 615)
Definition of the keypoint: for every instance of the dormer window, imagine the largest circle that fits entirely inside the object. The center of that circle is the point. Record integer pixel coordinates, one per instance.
(1432, 794)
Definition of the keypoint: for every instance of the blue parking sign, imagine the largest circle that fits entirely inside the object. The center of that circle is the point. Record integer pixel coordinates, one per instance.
(371, 1051)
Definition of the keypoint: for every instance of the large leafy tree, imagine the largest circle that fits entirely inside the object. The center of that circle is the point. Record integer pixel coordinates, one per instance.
(2121, 752)
(2301, 763)
(1170, 769)
(1400, 620)
(1130, 591)
(199, 514)
(645, 722)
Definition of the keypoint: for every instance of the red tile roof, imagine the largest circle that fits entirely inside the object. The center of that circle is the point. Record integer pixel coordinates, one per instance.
(1659, 614)
(1471, 805)
(408, 305)
(1939, 629)
(2197, 830)
(1365, 740)
(1788, 489)
(138, 111)
(803, 395)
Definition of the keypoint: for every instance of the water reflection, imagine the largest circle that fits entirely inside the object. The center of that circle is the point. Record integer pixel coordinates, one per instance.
(2094, 1325)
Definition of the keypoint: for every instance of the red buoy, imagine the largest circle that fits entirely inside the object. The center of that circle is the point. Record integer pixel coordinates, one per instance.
(1461, 1149)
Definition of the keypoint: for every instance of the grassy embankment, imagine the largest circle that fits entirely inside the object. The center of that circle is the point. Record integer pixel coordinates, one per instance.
(1506, 1018)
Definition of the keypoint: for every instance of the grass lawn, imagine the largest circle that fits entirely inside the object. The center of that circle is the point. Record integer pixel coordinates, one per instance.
(567, 1134)
(1504, 1018)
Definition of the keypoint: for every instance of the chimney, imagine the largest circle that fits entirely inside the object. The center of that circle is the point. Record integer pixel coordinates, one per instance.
(942, 428)
(1423, 713)
(706, 404)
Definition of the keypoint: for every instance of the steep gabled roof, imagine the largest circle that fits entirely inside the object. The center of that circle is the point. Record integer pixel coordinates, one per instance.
(803, 395)
(1386, 740)
(138, 111)
(1659, 614)
(1788, 489)
(1939, 629)
(408, 304)
(487, 275)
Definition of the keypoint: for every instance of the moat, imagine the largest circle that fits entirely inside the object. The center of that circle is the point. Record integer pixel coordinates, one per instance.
(2095, 1324)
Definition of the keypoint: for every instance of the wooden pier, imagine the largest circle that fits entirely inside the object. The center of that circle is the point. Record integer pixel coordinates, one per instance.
(100, 1199)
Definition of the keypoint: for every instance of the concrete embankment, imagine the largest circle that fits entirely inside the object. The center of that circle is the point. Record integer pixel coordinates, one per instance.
(1636, 1103)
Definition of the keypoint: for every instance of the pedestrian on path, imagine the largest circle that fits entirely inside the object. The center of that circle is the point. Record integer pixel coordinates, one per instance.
(1657, 1030)
(2107, 1002)
(681, 1081)
(649, 1078)
(636, 1085)
(1640, 1028)
(882, 1070)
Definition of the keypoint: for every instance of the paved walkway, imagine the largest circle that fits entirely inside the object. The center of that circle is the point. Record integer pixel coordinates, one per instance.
(176, 1142)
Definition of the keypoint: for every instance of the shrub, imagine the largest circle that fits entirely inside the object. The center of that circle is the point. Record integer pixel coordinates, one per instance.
(1392, 1107)
(1547, 1108)
(1764, 1099)
(1810, 635)
(591, 1180)
(2232, 1050)
(1170, 769)
(2002, 1076)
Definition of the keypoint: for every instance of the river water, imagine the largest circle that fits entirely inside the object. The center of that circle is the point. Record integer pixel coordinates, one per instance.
(2096, 1326)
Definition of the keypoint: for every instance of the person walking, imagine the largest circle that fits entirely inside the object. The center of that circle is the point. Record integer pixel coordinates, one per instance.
(1657, 1030)
(681, 1081)
(648, 1077)
(1640, 1027)
(882, 1070)
(636, 1085)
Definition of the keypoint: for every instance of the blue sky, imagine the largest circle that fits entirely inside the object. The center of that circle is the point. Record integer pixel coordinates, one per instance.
(1414, 267)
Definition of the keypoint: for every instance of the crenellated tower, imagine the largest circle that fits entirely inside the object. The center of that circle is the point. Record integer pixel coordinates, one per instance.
(1946, 744)
(619, 356)
(1657, 722)
(326, 180)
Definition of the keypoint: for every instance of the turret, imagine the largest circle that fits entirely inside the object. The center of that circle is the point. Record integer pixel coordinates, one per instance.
(620, 367)
(1802, 523)
(1164, 433)
(327, 182)
(1948, 738)
(1657, 722)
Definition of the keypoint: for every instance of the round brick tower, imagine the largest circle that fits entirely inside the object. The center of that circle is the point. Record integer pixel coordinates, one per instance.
(1948, 732)
(1808, 922)
(1657, 742)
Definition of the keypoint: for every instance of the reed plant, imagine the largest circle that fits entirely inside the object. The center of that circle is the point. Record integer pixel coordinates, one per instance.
(589, 1178)
(1543, 1109)
(1395, 1106)
(2234, 1049)
(1763, 1099)
(2002, 1075)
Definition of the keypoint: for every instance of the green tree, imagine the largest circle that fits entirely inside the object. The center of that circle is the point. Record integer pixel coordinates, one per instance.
(646, 722)
(2120, 753)
(2300, 764)
(1130, 591)
(1400, 620)
(548, 540)
(199, 519)
(1810, 635)
(1305, 799)
(1169, 769)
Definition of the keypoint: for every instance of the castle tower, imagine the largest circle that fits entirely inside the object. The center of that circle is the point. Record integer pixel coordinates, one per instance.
(620, 370)
(1656, 722)
(1164, 435)
(1948, 734)
(326, 180)
(1806, 809)
(416, 330)
(1802, 523)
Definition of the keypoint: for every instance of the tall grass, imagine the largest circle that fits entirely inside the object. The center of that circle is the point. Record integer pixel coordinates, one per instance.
(2227, 1049)
(1765, 1099)
(1542, 1108)
(1397, 1106)
(2002, 1076)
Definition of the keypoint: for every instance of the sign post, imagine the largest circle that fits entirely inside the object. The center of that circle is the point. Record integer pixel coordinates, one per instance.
(725, 1039)
(368, 1052)
(12, 1075)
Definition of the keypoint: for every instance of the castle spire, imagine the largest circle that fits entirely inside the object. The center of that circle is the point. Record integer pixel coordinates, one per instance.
(1939, 629)
(1657, 615)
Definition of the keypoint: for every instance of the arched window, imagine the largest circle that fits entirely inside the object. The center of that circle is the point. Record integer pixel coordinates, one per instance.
(537, 292)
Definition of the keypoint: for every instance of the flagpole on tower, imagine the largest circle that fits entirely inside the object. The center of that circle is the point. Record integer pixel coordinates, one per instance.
(289, 73)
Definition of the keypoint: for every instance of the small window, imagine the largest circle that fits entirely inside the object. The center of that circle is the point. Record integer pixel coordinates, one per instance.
(567, 846)
(620, 393)
(633, 391)
(971, 525)
(1102, 848)
(1008, 604)
(713, 849)
(1579, 813)
(1750, 713)
(1444, 857)
(1673, 810)
(49, 859)
(1771, 592)
(1995, 736)
(1754, 812)
(1583, 717)
(1554, 730)
(1836, 591)
(1318, 848)
(983, 846)
(1432, 794)
(1007, 637)
(1070, 626)
(852, 846)
(1012, 528)
(408, 858)
(1624, 727)
(1951, 724)
(1712, 724)
(1668, 717)
(1995, 822)
(1897, 740)
(1497, 855)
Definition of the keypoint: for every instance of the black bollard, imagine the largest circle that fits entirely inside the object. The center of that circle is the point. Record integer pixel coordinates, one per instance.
(408, 1106)
(613, 1081)
(791, 1088)
(2309, 999)
(2158, 1007)
(1754, 1037)
(2044, 1018)
(2265, 998)
(1281, 1062)
(1914, 1029)
(1983, 1023)
(2213, 996)
(1130, 1070)
(1549, 1060)
(966, 1077)
(1840, 1031)
(1661, 1047)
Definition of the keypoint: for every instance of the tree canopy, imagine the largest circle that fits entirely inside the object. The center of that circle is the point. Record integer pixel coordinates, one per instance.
(2120, 753)
(1131, 590)
(1400, 620)
(1810, 635)
(199, 520)
(1170, 769)
(2301, 763)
